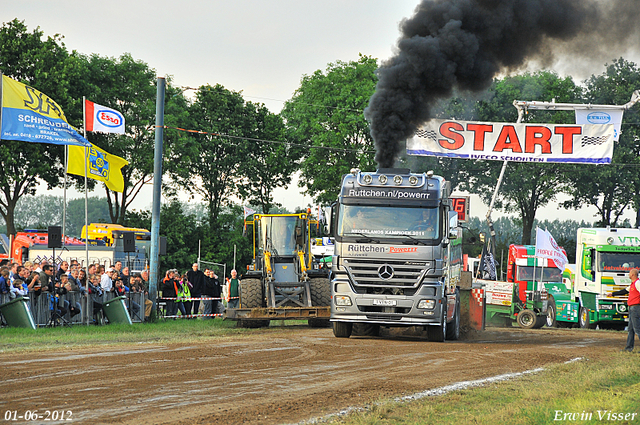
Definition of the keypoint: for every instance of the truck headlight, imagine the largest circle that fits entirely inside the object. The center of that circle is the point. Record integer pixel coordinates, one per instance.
(427, 304)
(342, 300)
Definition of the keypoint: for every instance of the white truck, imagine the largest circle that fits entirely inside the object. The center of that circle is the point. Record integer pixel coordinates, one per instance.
(604, 257)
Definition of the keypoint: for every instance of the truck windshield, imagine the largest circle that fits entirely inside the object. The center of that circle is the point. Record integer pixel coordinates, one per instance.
(278, 234)
(546, 274)
(389, 222)
(618, 261)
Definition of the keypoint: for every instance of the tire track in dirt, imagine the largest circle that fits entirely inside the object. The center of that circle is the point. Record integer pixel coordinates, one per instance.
(275, 375)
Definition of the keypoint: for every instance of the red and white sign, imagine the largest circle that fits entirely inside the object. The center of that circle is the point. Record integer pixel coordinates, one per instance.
(546, 247)
(103, 119)
(514, 142)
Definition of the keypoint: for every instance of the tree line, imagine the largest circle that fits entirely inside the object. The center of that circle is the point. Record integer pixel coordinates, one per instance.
(241, 151)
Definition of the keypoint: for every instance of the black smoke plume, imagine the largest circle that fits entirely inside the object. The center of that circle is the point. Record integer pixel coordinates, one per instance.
(464, 44)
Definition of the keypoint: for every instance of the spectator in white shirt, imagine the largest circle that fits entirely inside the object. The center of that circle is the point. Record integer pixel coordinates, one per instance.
(106, 280)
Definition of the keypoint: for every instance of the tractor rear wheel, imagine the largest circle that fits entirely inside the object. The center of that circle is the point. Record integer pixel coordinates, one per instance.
(527, 319)
(251, 294)
(551, 313)
(320, 297)
(320, 291)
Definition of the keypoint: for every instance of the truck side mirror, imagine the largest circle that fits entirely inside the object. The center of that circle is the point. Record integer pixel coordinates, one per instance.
(453, 225)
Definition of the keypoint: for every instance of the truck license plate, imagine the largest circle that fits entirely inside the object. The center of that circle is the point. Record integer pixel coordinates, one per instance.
(384, 302)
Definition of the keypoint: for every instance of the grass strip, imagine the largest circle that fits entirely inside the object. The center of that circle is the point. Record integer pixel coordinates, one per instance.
(169, 331)
(585, 392)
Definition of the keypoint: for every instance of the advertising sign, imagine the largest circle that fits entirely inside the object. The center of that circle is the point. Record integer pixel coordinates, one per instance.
(568, 143)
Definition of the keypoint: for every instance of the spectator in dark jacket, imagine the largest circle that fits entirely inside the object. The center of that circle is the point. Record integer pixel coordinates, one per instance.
(196, 278)
(212, 289)
(170, 290)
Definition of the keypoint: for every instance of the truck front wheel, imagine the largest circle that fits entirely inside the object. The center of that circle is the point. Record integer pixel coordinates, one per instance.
(438, 333)
(584, 320)
(342, 329)
(453, 329)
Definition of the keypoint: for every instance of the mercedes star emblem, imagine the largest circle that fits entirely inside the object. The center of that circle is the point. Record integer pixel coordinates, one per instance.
(385, 272)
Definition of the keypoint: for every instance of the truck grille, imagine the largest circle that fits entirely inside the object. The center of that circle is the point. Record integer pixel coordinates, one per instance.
(399, 274)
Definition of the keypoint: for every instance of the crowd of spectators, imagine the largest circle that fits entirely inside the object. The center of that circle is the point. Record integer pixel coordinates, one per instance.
(177, 290)
(40, 278)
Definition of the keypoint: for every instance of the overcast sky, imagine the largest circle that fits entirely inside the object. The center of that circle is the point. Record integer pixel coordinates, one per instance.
(259, 47)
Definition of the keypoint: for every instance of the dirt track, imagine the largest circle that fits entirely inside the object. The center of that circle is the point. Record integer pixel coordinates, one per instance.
(275, 375)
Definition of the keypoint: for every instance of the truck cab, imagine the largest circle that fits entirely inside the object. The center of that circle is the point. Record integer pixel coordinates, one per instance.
(604, 257)
(398, 255)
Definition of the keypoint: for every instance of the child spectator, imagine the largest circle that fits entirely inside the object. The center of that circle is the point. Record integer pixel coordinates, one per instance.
(17, 289)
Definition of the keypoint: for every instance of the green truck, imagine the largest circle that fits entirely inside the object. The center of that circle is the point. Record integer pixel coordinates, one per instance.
(604, 257)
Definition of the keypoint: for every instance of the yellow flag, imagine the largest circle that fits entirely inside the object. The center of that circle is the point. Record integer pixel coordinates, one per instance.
(101, 165)
(31, 116)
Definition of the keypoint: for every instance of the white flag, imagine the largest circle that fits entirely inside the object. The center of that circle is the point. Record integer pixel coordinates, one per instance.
(247, 212)
(546, 247)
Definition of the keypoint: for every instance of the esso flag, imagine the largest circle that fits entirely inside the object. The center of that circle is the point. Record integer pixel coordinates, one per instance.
(570, 143)
(103, 119)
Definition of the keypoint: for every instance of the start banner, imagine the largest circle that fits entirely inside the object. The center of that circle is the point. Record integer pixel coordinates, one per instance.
(569, 143)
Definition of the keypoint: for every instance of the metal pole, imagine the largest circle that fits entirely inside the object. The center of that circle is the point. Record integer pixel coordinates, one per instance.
(64, 194)
(86, 214)
(157, 193)
(501, 263)
(1, 84)
(234, 257)
(199, 254)
(492, 232)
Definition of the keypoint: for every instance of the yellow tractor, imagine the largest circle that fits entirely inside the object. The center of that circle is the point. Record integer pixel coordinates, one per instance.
(284, 280)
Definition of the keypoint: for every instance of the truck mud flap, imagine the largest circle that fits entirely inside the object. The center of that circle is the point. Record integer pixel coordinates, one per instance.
(283, 313)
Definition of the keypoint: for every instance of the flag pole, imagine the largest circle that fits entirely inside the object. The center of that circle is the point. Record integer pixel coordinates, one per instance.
(64, 195)
(1, 84)
(86, 211)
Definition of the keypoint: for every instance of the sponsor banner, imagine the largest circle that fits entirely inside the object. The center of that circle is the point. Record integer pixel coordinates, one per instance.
(389, 193)
(496, 286)
(590, 116)
(403, 252)
(570, 143)
(31, 116)
(498, 298)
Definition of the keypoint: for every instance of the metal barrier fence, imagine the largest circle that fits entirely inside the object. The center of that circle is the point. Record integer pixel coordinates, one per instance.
(41, 307)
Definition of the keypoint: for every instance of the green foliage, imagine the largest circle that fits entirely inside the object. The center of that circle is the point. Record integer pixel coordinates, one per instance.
(43, 64)
(44, 211)
(242, 153)
(266, 166)
(526, 186)
(326, 112)
(610, 188)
